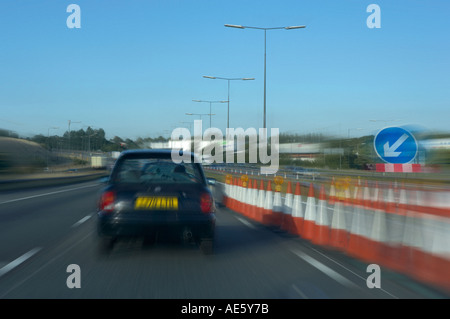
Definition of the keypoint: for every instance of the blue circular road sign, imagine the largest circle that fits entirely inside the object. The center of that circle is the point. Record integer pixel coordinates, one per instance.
(395, 145)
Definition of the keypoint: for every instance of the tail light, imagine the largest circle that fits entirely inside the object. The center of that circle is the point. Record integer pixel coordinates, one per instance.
(107, 201)
(206, 203)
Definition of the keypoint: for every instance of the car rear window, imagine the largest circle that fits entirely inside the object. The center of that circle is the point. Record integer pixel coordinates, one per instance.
(144, 171)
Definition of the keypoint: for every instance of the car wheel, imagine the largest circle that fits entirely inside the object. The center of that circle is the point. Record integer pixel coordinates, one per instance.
(207, 246)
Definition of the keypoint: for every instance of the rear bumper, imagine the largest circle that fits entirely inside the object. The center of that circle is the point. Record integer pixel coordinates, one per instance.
(201, 226)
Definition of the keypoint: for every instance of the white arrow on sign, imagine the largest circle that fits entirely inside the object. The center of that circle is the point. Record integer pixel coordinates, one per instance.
(391, 151)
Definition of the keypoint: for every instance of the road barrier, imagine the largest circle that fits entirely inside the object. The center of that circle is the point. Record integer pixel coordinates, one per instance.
(322, 225)
(9, 185)
(405, 228)
(297, 211)
(286, 222)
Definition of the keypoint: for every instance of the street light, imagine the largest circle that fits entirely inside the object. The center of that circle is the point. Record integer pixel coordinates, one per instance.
(200, 114)
(227, 79)
(265, 31)
(210, 102)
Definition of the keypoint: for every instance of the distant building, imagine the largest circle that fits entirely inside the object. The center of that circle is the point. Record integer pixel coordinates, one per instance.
(437, 144)
(301, 151)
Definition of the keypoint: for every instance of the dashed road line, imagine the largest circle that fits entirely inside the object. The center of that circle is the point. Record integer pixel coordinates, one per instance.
(325, 269)
(46, 194)
(81, 221)
(339, 264)
(246, 223)
(297, 290)
(13, 264)
(18, 284)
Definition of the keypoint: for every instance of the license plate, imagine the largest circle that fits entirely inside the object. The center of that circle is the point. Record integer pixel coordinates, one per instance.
(156, 203)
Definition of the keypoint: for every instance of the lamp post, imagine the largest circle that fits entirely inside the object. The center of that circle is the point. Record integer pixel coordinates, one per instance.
(228, 80)
(265, 38)
(210, 102)
(200, 114)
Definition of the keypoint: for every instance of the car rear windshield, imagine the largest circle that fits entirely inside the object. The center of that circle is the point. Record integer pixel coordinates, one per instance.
(145, 171)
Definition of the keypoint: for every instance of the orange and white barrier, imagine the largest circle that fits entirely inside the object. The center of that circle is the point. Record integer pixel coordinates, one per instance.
(277, 208)
(287, 222)
(253, 200)
(339, 233)
(260, 204)
(405, 228)
(322, 224)
(310, 215)
(297, 211)
(360, 230)
(332, 196)
(268, 205)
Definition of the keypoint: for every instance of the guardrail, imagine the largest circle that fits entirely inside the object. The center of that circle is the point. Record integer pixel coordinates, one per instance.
(15, 184)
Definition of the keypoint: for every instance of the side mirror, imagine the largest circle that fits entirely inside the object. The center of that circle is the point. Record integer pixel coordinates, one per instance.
(211, 181)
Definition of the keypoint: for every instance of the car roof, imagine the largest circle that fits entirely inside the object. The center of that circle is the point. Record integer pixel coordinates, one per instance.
(157, 153)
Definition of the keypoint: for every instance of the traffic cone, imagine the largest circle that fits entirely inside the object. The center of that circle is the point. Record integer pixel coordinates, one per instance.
(391, 206)
(375, 197)
(261, 199)
(268, 206)
(244, 198)
(297, 211)
(253, 199)
(232, 201)
(347, 197)
(310, 215)
(239, 196)
(434, 264)
(339, 231)
(226, 194)
(286, 222)
(355, 190)
(379, 235)
(332, 197)
(322, 225)
(277, 210)
(361, 227)
(367, 199)
(229, 193)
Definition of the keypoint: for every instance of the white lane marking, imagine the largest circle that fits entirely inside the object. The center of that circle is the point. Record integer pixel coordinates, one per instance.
(246, 223)
(297, 290)
(46, 194)
(13, 264)
(81, 221)
(393, 296)
(325, 269)
(45, 265)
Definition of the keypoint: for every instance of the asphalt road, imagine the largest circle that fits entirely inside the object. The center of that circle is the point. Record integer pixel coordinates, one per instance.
(45, 230)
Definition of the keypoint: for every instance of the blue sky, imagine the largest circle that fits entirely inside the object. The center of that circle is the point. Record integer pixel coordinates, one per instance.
(134, 67)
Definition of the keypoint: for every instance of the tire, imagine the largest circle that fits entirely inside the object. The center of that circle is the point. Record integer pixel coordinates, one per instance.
(207, 246)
